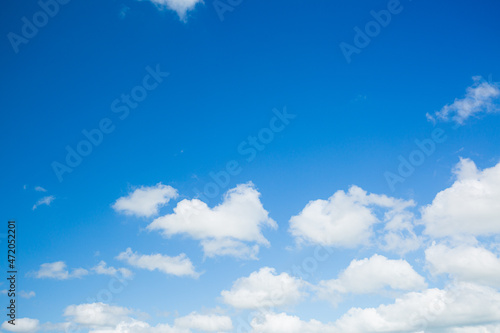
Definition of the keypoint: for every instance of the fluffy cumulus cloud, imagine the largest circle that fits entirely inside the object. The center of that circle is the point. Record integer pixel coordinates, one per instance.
(284, 323)
(180, 265)
(347, 219)
(231, 228)
(469, 207)
(181, 7)
(97, 315)
(105, 318)
(433, 310)
(206, 323)
(461, 307)
(145, 201)
(481, 97)
(23, 325)
(373, 275)
(465, 263)
(264, 289)
(58, 270)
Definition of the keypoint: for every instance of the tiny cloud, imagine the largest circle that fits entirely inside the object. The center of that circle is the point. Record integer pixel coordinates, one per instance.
(181, 7)
(27, 294)
(44, 201)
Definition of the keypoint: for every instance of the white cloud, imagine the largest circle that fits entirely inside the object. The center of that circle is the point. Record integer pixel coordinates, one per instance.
(283, 323)
(103, 269)
(178, 266)
(400, 241)
(347, 219)
(469, 207)
(181, 7)
(40, 189)
(57, 270)
(97, 315)
(123, 11)
(461, 308)
(465, 263)
(373, 275)
(476, 329)
(136, 326)
(23, 325)
(210, 323)
(433, 310)
(104, 318)
(229, 247)
(264, 289)
(44, 201)
(145, 201)
(65, 327)
(225, 229)
(481, 97)
(27, 294)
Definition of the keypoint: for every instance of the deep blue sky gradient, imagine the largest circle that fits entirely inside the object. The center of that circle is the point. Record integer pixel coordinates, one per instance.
(353, 121)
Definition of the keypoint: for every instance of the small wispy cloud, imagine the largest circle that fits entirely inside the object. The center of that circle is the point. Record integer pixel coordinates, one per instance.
(27, 294)
(359, 98)
(44, 201)
(178, 266)
(103, 269)
(123, 11)
(481, 97)
(40, 189)
(58, 270)
(181, 7)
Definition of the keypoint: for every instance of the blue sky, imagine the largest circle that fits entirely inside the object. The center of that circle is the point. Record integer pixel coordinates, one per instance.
(226, 166)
